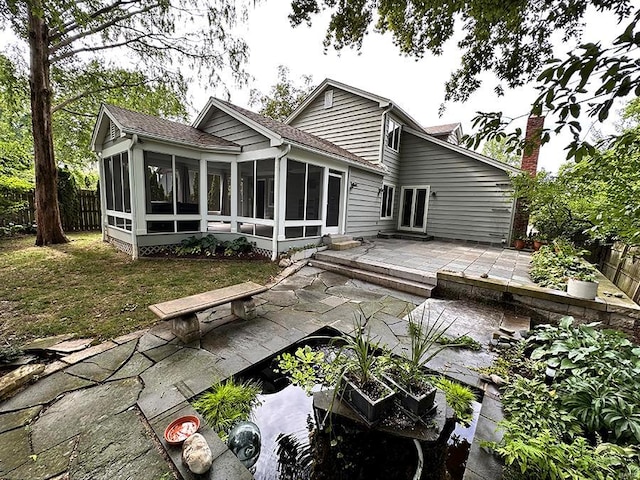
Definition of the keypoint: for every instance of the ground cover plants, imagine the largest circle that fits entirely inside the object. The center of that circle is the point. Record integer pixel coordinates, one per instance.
(88, 288)
(554, 264)
(571, 409)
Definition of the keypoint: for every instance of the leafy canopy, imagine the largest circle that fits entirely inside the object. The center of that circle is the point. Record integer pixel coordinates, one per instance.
(283, 97)
(511, 39)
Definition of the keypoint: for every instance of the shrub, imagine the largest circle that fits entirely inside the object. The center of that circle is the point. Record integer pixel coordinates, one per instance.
(228, 403)
(554, 264)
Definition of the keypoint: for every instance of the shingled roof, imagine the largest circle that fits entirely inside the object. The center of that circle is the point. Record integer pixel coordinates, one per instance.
(143, 124)
(440, 130)
(295, 135)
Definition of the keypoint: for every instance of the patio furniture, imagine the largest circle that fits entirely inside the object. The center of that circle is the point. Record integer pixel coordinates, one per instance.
(183, 311)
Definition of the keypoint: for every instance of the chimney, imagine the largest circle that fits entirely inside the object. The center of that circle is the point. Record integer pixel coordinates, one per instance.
(529, 164)
(531, 150)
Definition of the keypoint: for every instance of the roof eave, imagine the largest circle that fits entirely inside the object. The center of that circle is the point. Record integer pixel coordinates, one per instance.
(371, 168)
(173, 141)
(469, 153)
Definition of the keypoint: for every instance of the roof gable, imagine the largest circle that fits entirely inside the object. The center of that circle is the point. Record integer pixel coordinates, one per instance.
(130, 122)
(382, 101)
(463, 151)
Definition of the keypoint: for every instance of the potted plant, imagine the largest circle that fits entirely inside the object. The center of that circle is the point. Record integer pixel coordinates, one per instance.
(359, 386)
(538, 241)
(519, 243)
(582, 284)
(408, 374)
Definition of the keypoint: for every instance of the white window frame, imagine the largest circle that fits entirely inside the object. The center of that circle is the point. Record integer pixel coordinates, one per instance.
(383, 208)
(393, 134)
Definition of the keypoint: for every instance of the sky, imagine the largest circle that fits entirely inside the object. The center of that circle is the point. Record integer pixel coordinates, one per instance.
(416, 86)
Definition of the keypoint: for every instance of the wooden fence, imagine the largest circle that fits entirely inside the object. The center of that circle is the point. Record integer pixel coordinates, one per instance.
(622, 267)
(86, 215)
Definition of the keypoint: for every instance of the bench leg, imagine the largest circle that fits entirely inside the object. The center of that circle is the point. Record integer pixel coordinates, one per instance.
(186, 328)
(245, 309)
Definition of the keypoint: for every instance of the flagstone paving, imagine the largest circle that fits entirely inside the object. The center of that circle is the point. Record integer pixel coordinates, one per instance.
(102, 416)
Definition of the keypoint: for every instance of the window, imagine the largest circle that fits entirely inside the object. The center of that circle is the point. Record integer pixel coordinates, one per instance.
(166, 175)
(393, 135)
(219, 188)
(386, 210)
(116, 179)
(328, 99)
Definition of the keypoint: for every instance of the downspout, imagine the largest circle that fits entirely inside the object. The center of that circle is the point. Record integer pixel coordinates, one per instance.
(276, 201)
(382, 136)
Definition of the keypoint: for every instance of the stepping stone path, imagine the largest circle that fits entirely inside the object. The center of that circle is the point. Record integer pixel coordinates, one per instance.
(100, 412)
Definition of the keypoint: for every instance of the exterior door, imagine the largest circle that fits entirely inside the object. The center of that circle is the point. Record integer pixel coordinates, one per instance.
(413, 208)
(334, 190)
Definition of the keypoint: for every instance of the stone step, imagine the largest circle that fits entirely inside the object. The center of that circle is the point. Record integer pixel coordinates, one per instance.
(344, 245)
(402, 273)
(421, 237)
(335, 238)
(388, 281)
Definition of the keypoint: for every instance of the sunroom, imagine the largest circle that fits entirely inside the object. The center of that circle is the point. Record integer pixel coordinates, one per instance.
(163, 181)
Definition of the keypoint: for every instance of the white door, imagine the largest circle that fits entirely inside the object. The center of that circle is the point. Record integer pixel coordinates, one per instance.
(334, 200)
(413, 208)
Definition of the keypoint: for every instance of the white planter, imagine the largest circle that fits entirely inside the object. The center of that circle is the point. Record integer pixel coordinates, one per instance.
(580, 289)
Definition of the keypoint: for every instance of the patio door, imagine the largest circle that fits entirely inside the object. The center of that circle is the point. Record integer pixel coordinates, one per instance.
(413, 208)
(334, 194)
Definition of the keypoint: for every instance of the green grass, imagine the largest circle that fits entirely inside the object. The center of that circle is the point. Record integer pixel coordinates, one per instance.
(88, 288)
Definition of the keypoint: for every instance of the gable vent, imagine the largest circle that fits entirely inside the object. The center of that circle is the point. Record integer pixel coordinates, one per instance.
(113, 130)
(328, 99)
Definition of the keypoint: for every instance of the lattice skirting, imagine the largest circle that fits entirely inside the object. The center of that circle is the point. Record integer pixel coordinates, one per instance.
(148, 250)
(263, 252)
(120, 245)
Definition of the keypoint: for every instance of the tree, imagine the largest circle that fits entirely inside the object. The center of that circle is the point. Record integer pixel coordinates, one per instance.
(512, 39)
(16, 174)
(496, 148)
(66, 36)
(284, 97)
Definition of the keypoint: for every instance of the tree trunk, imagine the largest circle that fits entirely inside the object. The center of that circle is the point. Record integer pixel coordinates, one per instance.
(47, 209)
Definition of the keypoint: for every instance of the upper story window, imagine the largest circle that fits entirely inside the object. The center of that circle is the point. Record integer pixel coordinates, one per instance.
(328, 99)
(393, 134)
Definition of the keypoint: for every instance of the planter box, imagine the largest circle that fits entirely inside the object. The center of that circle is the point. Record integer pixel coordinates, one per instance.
(419, 406)
(371, 411)
(581, 289)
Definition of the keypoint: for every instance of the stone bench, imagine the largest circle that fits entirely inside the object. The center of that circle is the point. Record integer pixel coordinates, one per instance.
(182, 311)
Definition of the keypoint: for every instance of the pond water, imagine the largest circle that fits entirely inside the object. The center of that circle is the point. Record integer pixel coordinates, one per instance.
(294, 448)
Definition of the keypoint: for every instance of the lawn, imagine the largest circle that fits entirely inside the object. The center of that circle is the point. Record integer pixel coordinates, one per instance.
(88, 288)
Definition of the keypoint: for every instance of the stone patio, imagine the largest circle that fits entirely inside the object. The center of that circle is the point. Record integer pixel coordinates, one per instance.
(100, 413)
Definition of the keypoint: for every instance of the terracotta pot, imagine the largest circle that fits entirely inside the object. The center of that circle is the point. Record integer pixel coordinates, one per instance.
(537, 244)
(519, 244)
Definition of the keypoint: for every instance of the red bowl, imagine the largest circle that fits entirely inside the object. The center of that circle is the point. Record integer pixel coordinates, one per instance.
(181, 429)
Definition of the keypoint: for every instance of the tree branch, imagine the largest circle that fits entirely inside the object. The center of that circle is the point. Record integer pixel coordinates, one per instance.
(85, 93)
(68, 27)
(71, 53)
(101, 27)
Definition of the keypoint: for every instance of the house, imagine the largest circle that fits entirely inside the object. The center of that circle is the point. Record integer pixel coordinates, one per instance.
(345, 162)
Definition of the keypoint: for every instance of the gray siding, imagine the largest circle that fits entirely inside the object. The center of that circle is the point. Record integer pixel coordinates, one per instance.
(225, 126)
(470, 204)
(363, 204)
(353, 123)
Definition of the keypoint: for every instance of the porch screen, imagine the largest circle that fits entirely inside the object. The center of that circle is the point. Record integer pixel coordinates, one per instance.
(116, 183)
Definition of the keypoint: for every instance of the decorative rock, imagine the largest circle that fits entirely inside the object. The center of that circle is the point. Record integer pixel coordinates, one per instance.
(196, 454)
(498, 380)
(14, 380)
(284, 263)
